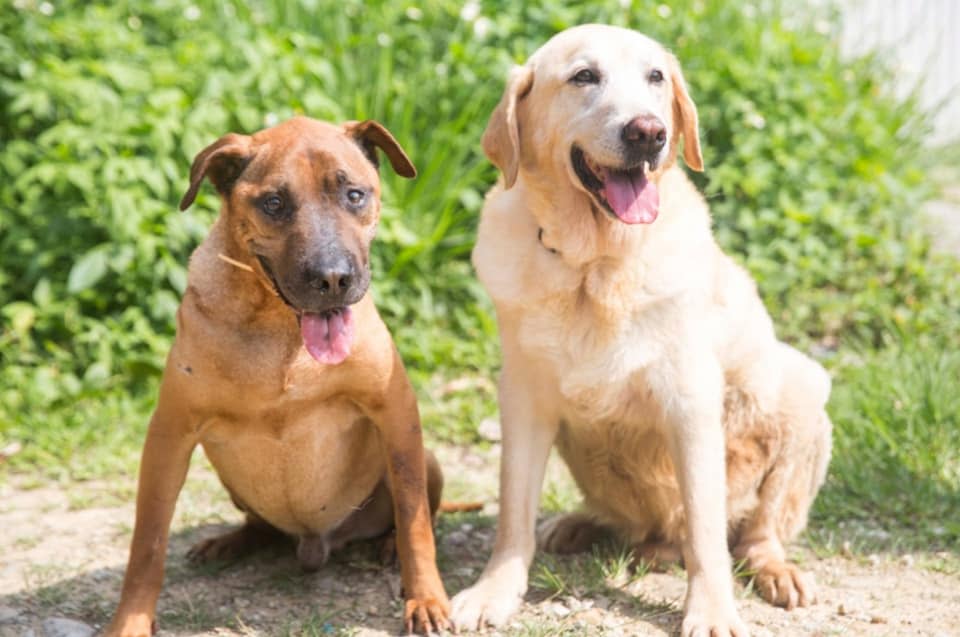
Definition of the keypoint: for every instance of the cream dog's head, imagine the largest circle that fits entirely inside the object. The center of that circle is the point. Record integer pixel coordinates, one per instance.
(603, 107)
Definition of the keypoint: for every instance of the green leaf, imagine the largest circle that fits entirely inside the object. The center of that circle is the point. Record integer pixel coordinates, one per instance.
(89, 269)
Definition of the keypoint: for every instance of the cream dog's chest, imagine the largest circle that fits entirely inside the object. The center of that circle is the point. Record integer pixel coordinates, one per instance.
(599, 368)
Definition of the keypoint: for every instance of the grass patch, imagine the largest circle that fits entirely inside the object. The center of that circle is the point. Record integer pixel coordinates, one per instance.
(317, 624)
(894, 481)
(607, 567)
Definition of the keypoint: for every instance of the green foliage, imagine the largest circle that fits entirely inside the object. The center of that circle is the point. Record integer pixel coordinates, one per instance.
(814, 175)
(896, 460)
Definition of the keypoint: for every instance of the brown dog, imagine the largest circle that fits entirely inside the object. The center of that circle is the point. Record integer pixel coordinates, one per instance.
(284, 372)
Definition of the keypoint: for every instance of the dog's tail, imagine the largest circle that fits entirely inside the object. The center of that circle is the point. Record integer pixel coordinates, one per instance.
(460, 507)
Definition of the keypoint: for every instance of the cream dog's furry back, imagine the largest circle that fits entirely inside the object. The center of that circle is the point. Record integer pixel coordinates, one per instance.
(633, 343)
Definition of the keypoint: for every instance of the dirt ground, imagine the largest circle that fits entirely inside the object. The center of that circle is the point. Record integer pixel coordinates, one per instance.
(63, 550)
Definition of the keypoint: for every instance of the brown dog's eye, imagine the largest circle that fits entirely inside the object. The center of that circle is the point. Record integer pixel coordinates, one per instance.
(656, 76)
(273, 205)
(356, 197)
(585, 76)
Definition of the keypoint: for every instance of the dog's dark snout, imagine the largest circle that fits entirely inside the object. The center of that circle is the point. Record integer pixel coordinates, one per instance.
(645, 134)
(332, 277)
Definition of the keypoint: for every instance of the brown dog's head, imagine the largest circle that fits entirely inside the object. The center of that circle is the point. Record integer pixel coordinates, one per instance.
(605, 107)
(303, 198)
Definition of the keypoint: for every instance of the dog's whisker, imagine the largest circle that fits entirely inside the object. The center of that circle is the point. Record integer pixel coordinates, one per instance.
(234, 262)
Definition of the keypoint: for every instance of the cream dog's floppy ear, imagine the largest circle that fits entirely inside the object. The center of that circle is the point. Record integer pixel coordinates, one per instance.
(222, 161)
(501, 140)
(685, 117)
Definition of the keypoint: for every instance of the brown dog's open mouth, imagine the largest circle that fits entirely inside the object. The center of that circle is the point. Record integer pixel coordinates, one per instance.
(626, 193)
(327, 335)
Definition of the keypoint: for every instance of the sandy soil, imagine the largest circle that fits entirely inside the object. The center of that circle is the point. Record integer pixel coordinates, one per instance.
(63, 550)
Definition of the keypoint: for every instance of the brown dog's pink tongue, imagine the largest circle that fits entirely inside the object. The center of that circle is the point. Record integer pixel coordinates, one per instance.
(328, 336)
(633, 198)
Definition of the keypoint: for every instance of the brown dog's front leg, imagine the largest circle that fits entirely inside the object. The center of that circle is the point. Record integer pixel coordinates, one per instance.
(427, 606)
(163, 468)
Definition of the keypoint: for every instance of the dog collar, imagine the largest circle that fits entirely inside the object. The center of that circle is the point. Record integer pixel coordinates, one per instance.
(540, 239)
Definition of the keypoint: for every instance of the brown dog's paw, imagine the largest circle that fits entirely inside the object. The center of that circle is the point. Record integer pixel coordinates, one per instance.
(223, 548)
(250, 537)
(427, 615)
(784, 584)
(134, 625)
(570, 533)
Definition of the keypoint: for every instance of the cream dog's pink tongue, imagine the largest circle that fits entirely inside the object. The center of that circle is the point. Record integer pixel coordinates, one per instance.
(328, 336)
(633, 198)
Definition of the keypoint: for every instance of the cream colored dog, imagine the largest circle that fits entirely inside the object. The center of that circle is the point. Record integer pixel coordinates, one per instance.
(633, 343)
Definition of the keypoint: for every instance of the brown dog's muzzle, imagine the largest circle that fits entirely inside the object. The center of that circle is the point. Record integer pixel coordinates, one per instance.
(320, 291)
(333, 282)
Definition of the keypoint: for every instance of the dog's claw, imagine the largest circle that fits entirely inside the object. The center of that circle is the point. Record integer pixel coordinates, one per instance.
(429, 616)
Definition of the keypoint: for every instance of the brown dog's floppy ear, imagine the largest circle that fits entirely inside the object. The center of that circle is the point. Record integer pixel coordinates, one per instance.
(685, 116)
(222, 161)
(371, 135)
(501, 140)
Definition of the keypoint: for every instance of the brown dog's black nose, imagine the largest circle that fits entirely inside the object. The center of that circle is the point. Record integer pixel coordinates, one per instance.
(644, 135)
(331, 278)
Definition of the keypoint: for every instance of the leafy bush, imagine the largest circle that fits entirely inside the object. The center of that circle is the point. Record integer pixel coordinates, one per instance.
(813, 173)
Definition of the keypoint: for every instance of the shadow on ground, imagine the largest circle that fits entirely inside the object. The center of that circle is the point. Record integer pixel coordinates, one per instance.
(353, 594)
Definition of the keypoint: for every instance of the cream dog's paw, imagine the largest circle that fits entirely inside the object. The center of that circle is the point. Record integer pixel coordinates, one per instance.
(491, 601)
(713, 622)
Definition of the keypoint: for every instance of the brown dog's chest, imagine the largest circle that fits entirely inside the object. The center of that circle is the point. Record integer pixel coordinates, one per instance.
(281, 430)
(303, 468)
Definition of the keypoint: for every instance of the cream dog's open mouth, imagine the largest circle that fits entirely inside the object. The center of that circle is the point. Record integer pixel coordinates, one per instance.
(626, 193)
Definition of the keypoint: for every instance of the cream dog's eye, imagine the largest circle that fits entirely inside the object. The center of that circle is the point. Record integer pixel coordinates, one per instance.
(585, 76)
(656, 76)
(356, 196)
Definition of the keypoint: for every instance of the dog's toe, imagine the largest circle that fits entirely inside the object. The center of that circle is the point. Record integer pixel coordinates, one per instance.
(784, 584)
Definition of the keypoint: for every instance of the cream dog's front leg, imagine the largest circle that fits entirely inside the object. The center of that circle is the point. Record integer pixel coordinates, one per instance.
(690, 388)
(527, 439)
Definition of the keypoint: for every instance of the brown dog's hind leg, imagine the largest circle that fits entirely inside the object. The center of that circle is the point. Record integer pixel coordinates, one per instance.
(254, 535)
(376, 518)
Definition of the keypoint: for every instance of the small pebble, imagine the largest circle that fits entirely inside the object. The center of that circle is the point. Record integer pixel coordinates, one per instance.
(558, 610)
(456, 538)
(9, 614)
(63, 627)
(577, 605)
(877, 619)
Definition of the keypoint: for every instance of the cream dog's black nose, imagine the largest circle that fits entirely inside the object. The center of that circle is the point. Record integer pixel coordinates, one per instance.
(645, 135)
